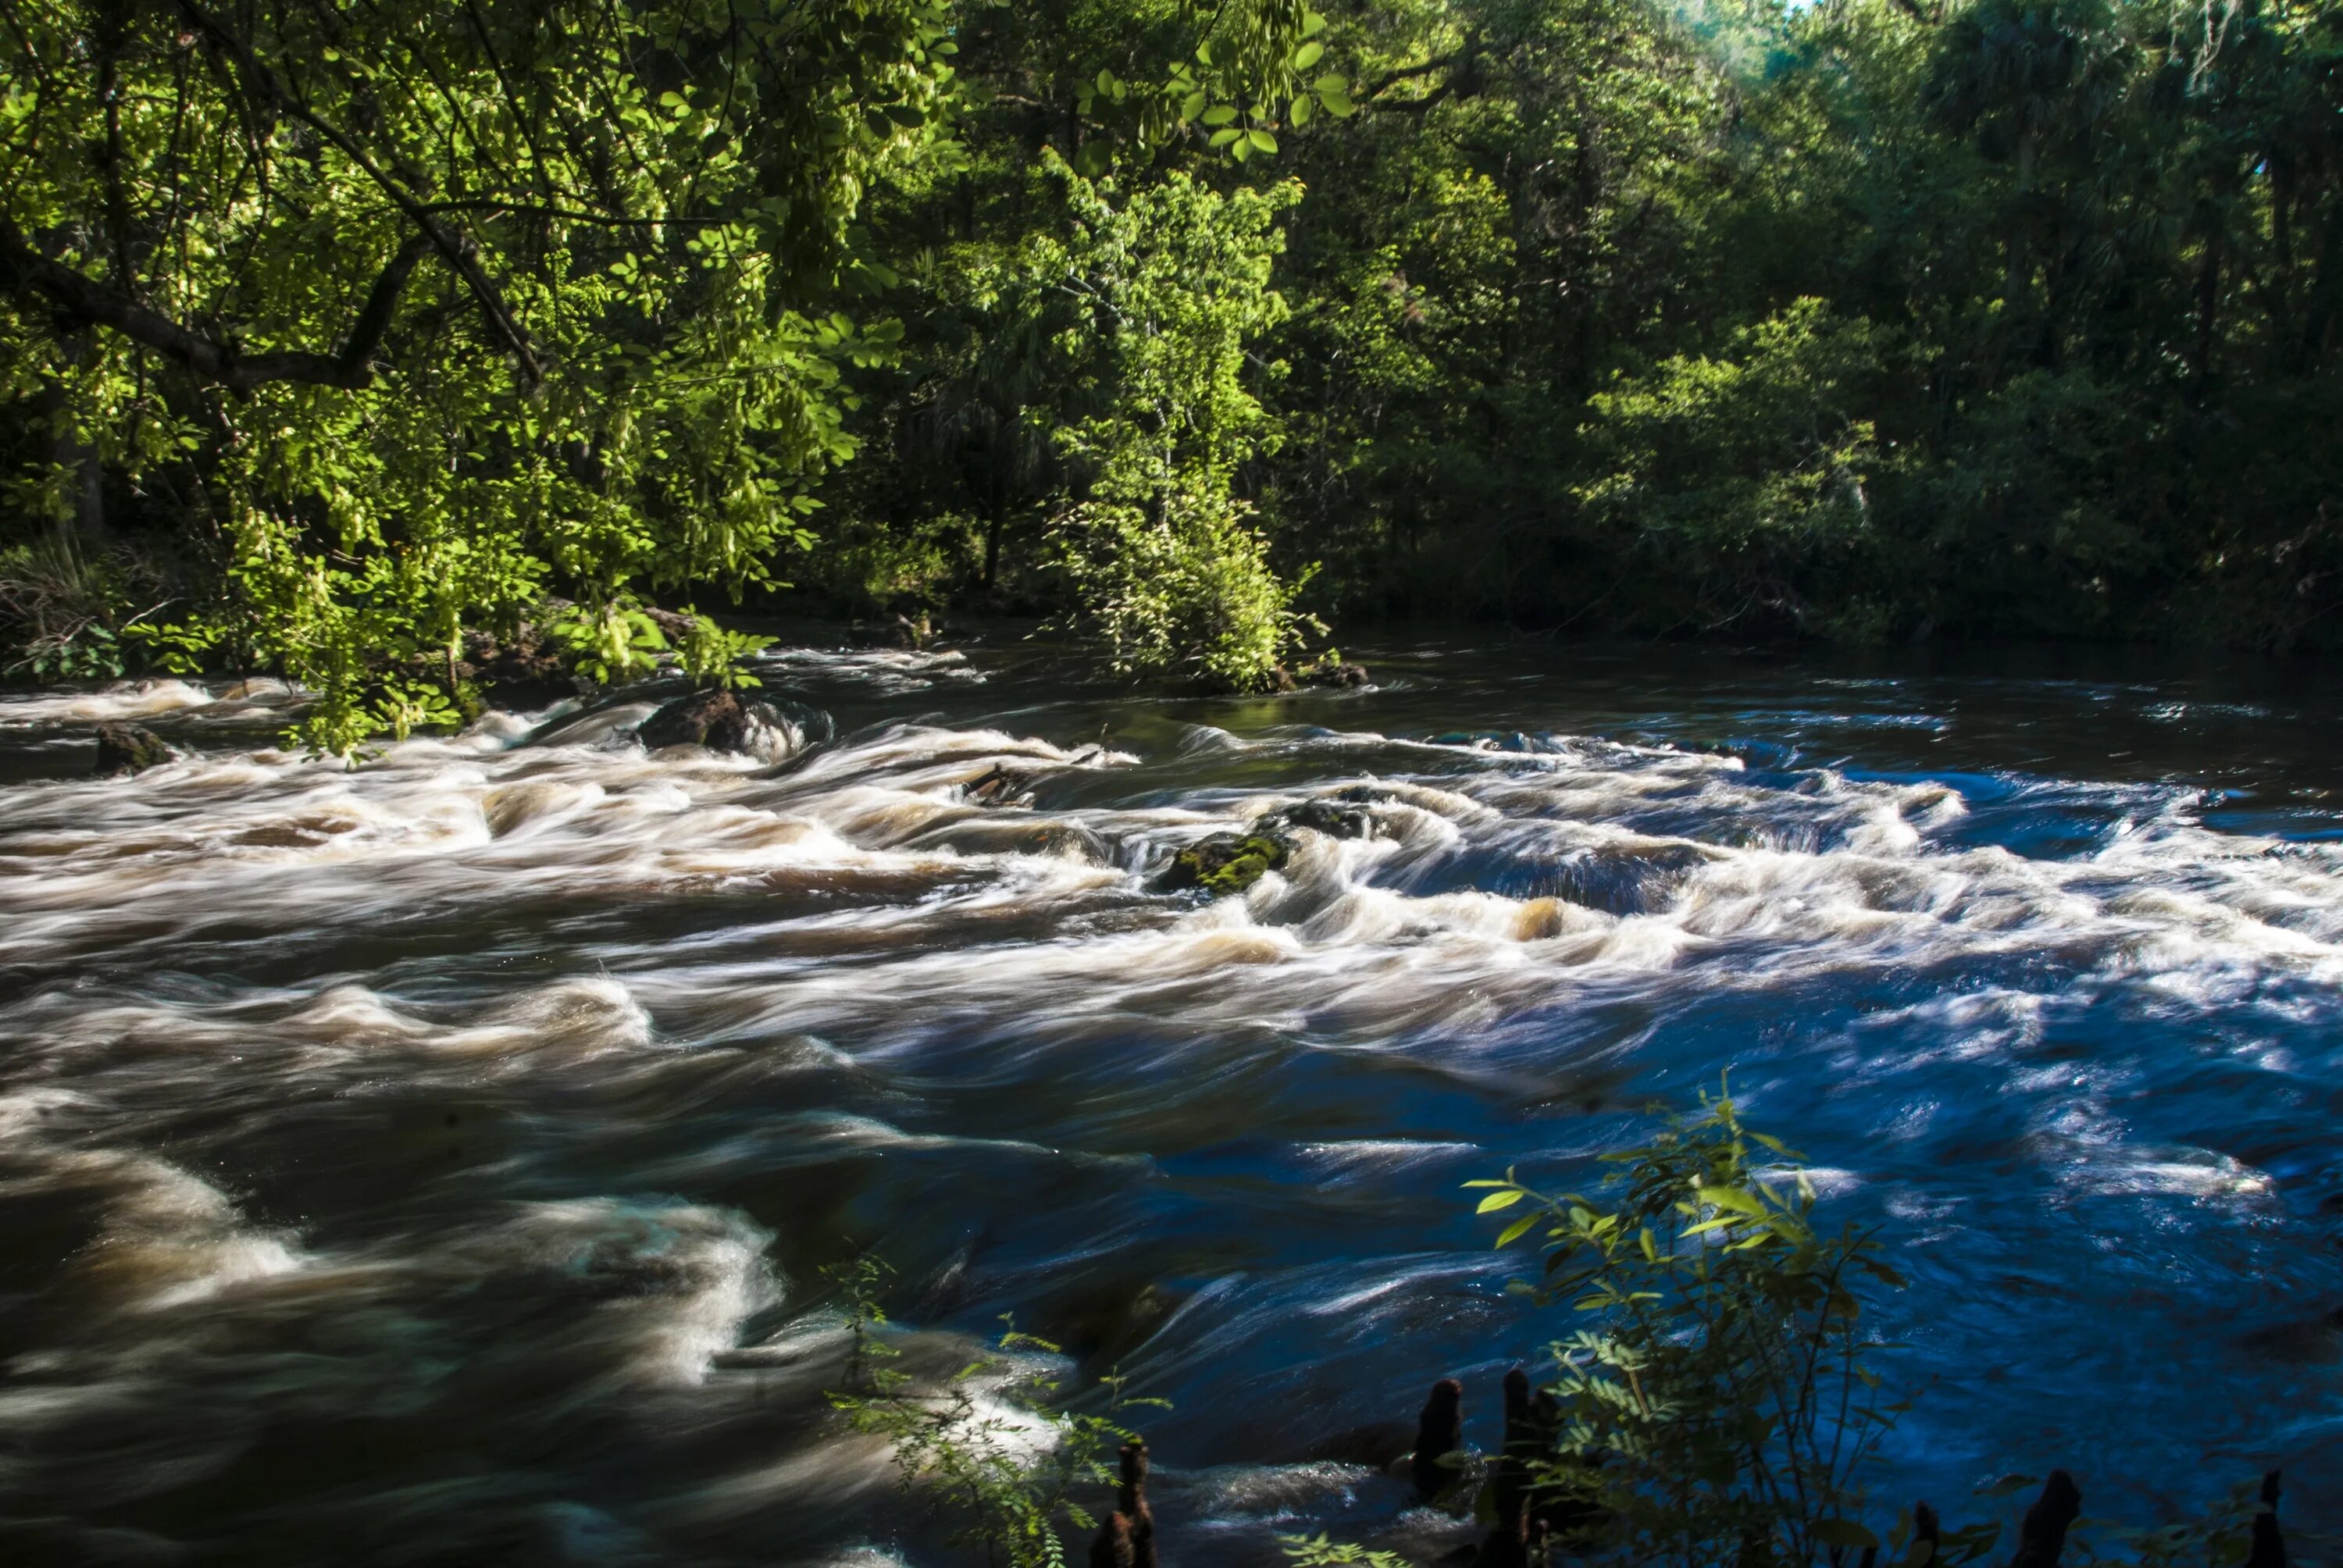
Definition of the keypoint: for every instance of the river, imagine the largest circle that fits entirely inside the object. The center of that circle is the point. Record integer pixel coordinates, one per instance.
(436, 1161)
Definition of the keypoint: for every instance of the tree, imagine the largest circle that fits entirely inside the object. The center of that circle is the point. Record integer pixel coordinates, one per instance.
(1171, 287)
(418, 308)
(417, 305)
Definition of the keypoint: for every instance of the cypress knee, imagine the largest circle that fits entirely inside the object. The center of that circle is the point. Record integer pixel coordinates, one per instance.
(1508, 1542)
(1132, 1503)
(1113, 1549)
(1440, 1431)
(2042, 1536)
(1924, 1533)
(2269, 1550)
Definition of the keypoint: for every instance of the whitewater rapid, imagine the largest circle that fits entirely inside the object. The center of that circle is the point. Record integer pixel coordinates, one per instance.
(442, 1153)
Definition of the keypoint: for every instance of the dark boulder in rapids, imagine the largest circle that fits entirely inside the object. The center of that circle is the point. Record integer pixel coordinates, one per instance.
(129, 749)
(516, 670)
(721, 721)
(1330, 672)
(1226, 863)
(1337, 818)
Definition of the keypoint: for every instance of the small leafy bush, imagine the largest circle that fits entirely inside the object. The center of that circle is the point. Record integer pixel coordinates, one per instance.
(1719, 1403)
(1010, 1488)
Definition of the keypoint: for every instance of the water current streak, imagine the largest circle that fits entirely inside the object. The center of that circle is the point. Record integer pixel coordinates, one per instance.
(442, 1154)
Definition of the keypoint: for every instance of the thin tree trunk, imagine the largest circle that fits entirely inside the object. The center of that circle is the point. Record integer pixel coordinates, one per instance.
(992, 530)
(2013, 278)
(84, 525)
(2208, 304)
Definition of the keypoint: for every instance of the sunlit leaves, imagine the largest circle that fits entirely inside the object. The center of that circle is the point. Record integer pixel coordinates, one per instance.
(1163, 565)
(655, 218)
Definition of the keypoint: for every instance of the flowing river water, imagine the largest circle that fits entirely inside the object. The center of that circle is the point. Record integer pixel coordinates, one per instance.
(435, 1163)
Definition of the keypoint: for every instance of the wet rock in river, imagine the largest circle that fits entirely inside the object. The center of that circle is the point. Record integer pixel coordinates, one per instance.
(1335, 818)
(721, 721)
(1381, 1446)
(1226, 863)
(1639, 877)
(124, 749)
(999, 787)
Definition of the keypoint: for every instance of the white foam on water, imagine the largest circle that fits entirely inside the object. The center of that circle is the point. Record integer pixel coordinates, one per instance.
(128, 700)
(860, 909)
(165, 1238)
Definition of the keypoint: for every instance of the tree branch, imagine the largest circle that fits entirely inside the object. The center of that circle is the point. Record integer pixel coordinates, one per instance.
(1422, 69)
(459, 250)
(575, 215)
(24, 269)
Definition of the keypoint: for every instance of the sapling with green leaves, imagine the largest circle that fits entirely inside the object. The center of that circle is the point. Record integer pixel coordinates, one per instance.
(996, 1443)
(1719, 1403)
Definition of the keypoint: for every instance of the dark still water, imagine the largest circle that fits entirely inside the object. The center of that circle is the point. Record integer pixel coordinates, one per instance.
(435, 1163)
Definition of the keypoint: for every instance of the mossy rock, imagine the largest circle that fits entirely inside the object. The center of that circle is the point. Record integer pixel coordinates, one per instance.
(1226, 863)
(129, 749)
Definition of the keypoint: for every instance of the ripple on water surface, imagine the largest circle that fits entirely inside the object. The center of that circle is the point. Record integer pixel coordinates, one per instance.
(445, 1151)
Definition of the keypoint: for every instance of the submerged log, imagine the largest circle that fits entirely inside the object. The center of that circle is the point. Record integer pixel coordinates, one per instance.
(999, 787)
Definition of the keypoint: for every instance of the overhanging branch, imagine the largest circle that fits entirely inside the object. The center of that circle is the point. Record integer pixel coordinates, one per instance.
(25, 270)
(458, 250)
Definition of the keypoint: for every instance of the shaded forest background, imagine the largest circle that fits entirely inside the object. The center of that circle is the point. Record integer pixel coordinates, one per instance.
(350, 333)
(1860, 320)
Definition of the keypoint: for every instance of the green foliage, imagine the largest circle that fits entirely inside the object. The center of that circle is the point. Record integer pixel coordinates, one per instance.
(1741, 475)
(1320, 1552)
(713, 656)
(1861, 319)
(609, 643)
(1173, 285)
(1720, 1405)
(68, 612)
(2221, 1537)
(1864, 318)
(994, 1442)
(423, 307)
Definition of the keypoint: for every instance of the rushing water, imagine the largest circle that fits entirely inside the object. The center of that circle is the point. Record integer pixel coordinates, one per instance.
(435, 1163)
